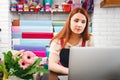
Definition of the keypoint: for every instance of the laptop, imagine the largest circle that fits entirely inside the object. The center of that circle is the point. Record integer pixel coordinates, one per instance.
(91, 63)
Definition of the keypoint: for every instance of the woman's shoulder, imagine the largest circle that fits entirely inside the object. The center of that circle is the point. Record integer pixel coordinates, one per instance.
(90, 42)
(91, 36)
(56, 41)
(55, 46)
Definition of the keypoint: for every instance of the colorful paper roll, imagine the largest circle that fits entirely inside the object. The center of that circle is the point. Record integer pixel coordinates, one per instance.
(57, 29)
(15, 29)
(37, 35)
(15, 41)
(40, 53)
(35, 23)
(32, 29)
(58, 23)
(16, 35)
(47, 52)
(16, 22)
(45, 42)
(30, 47)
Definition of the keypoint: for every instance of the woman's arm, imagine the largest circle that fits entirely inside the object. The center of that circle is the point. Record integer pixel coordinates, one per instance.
(54, 58)
(54, 66)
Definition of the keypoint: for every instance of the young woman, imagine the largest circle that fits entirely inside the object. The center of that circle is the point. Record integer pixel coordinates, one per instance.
(74, 33)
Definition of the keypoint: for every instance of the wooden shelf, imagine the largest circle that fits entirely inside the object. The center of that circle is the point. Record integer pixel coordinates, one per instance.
(110, 3)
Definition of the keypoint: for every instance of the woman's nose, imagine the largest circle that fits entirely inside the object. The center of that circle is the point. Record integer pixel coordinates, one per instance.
(79, 24)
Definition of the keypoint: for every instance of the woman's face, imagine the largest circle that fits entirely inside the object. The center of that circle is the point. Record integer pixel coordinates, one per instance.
(78, 23)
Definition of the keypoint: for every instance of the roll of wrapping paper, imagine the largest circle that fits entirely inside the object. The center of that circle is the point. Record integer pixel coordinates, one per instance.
(16, 22)
(35, 23)
(37, 35)
(16, 35)
(30, 47)
(17, 41)
(15, 29)
(32, 26)
(47, 51)
(57, 28)
(32, 29)
(40, 53)
(35, 41)
(58, 23)
(46, 66)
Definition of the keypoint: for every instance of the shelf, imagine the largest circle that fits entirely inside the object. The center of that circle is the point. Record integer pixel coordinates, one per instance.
(23, 12)
(110, 3)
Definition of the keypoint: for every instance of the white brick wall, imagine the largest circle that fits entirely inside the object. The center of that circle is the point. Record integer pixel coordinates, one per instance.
(106, 26)
(5, 34)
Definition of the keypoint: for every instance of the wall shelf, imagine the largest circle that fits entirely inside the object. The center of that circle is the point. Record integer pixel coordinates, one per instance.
(110, 3)
(23, 12)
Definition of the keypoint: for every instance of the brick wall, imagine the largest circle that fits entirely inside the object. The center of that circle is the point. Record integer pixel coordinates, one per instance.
(5, 33)
(106, 26)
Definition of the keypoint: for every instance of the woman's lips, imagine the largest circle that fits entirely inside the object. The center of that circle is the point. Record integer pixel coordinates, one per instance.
(78, 29)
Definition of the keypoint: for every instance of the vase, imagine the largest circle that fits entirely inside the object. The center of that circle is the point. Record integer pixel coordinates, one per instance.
(14, 78)
(18, 78)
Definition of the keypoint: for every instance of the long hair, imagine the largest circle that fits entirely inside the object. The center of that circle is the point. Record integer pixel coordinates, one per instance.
(65, 33)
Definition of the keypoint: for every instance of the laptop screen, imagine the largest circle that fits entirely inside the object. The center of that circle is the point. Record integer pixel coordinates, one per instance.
(90, 63)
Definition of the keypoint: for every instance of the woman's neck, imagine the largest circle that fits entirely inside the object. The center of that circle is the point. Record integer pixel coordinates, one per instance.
(74, 39)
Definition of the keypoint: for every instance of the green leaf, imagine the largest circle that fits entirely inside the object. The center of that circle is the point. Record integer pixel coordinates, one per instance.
(9, 53)
(37, 62)
(33, 71)
(1, 67)
(42, 70)
(30, 72)
(7, 61)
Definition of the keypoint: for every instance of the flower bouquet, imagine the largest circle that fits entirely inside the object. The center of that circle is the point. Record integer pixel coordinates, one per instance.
(21, 64)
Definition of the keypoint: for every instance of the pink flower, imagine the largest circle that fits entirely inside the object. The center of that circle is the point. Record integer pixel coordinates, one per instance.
(29, 57)
(23, 64)
(18, 53)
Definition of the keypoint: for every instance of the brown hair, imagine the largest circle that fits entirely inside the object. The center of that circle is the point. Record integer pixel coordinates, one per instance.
(66, 31)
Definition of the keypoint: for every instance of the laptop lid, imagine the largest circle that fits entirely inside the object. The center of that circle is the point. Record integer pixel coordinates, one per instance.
(90, 63)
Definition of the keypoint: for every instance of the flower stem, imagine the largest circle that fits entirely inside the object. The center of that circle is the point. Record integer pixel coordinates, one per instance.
(5, 73)
(5, 76)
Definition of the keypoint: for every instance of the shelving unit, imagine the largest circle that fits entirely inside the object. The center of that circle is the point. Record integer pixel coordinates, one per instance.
(23, 12)
(110, 3)
(37, 16)
(40, 15)
(55, 16)
(56, 21)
